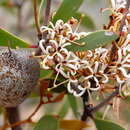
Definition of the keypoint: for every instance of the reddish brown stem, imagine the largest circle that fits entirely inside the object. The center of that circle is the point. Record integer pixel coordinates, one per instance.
(89, 109)
(36, 18)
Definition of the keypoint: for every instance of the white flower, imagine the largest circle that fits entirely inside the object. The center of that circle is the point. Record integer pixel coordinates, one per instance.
(75, 88)
(69, 62)
(116, 4)
(41, 42)
(59, 24)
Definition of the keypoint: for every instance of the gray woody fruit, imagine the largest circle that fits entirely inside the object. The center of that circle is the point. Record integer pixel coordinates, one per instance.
(18, 76)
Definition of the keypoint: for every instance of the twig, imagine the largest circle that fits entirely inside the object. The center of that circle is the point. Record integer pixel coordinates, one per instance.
(36, 19)
(115, 93)
(13, 116)
(85, 99)
(46, 20)
(89, 109)
(47, 12)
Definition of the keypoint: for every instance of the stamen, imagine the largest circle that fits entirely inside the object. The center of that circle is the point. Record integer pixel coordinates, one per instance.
(52, 25)
(81, 18)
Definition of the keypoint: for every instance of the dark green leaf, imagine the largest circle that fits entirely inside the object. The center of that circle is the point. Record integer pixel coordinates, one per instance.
(7, 39)
(93, 40)
(47, 123)
(59, 89)
(73, 104)
(64, 109)
(46, 74)
(99, 114)
(128, 99)
(67, 9)
(107, 125)
(86, 22)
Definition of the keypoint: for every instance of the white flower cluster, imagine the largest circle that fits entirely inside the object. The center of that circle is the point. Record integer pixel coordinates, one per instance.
(88, 70)
(92, 72)
(58, 37)
(68, 64)
(120, 69)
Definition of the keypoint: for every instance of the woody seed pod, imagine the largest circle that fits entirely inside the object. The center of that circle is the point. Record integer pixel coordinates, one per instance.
(18, 76)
